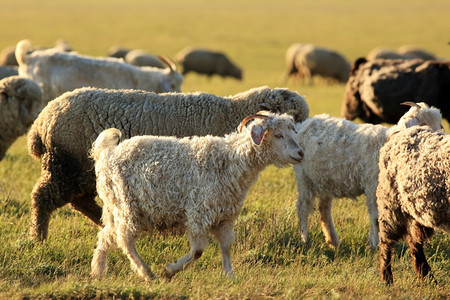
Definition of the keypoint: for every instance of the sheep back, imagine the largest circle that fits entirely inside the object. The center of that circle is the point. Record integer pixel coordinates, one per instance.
(207, 62)
(414, 180)
(376, 88)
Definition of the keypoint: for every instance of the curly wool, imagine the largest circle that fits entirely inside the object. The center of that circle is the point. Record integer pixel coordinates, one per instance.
(20, 103)
(413, 193)
(63, 133)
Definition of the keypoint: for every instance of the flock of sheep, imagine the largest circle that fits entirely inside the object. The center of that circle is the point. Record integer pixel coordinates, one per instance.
(160, 159)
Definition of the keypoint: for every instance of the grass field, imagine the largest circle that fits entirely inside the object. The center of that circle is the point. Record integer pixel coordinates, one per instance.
(268, 259)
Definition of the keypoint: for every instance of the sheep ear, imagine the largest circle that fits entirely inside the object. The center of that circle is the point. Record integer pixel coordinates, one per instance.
(258, 133)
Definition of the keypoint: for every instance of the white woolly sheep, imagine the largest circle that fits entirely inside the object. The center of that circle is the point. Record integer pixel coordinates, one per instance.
(64, 132)
(341, 160)
(312, 60)
(57, 72)
(413, 193)
(20, 104)
(197, 184)
(207, 62)
(142, 58)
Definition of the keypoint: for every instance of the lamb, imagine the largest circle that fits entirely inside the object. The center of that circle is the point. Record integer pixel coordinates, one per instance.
(413, 193)
(341, 160)
(207, 62)
(197, 184)
(142, 58)
(62, 135)
(375, 88)
(57, 72)
(329, 64)
(20, 104)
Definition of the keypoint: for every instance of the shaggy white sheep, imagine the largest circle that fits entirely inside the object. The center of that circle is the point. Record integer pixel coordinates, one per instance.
(413, 193)
(63, 134)
(20, 104)
(341, 160)
(197, 184)
(58, 72)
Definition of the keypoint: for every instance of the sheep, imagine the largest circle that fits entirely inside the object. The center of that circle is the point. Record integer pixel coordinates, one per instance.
(341, 160)
(118, 52)
(62, 135)
(57, 72)
(207, 62)
(383, 53)
(416, 52)
(312, 60)
(7, 57)
(197, 184)
(375, 88)
(6, 71)
(142, 58)
(290, 56)
(20, 104)
(413, 193)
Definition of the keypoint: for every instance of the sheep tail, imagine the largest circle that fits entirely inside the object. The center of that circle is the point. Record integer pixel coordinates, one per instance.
(108, 138)
(22, 50)
(35, 145)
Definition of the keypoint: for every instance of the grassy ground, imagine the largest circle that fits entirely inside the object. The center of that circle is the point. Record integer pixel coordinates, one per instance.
(268, 258)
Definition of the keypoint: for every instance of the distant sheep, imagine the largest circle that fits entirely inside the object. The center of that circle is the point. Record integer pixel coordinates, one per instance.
(20, 104)
(7, 56)
(376, 88)
(142, 58)
(329, 64)
(118, 52)
(291, 69)
(413, 193)
(341, 160)
(197, 184)
(58, 72)
(383, 53)
(62, 135)
(416, 52)
(207, 62)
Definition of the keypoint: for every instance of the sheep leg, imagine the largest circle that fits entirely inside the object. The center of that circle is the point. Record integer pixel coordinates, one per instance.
(416, 238)
(224, 234)
(385, 261)
(305, 205)
(99, 264)
(198, 244)
(326, 221)
(86, 204)
(126, 241)
(46, 197)
(372, 208)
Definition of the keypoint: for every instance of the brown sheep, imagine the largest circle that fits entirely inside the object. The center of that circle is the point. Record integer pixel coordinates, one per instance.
(207, 62)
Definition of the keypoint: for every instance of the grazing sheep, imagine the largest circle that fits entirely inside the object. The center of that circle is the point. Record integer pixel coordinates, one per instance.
(341, 160)
(413, 193)
(383, 53)
(375, 88)
(142, 58)
(416, 52)
(57, 72)
(6, 71)
(329, 64)
(291, 69)
(20, 103)
(207, 62)
(63, 134)
(197, 184)
(118, 52)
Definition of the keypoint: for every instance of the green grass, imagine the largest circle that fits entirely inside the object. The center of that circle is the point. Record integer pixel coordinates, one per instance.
(268, 259)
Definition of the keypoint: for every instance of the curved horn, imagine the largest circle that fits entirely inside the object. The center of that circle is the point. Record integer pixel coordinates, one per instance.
(410, 103)
(170, 63)
(251, 117)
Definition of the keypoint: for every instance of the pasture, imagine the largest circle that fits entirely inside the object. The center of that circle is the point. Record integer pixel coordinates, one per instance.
(268, 258)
